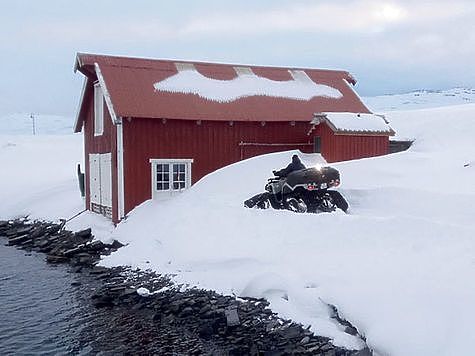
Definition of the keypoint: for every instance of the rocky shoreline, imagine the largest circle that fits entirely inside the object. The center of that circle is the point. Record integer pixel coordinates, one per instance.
(145, 313)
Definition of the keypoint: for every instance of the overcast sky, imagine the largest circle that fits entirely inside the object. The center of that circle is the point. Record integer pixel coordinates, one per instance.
(389, 46)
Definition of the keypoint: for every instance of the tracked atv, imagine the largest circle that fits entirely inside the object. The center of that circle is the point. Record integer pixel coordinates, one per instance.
(306, 190)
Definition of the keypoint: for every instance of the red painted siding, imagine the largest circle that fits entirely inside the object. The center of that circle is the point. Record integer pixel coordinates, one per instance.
(211, 144)
(105, 143)
(337, 148)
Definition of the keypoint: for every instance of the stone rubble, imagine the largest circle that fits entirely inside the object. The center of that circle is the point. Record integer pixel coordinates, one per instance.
(172, 319)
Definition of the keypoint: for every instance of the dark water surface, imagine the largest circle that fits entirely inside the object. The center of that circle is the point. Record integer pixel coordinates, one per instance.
(40, 311)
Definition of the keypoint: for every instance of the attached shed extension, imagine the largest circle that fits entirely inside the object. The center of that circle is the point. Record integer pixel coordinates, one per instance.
(342, 136)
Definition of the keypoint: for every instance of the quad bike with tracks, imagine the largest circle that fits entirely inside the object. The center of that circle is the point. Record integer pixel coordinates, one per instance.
(305, 190)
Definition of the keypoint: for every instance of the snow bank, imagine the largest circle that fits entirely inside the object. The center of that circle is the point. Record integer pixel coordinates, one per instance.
(400, 266)
(436, 129)
(190, 81)
(38, 179)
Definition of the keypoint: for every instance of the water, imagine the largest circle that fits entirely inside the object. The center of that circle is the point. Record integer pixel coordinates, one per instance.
(40, 311)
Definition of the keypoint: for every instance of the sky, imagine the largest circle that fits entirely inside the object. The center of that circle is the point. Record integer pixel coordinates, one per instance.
(389, 46)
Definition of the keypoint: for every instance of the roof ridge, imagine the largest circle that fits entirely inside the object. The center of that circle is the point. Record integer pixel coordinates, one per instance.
(204, 63)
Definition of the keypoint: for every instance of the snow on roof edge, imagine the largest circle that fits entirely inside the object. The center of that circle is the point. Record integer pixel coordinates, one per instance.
(349, 122)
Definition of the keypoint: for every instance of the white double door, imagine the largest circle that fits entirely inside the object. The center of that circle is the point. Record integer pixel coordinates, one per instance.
(100, 180)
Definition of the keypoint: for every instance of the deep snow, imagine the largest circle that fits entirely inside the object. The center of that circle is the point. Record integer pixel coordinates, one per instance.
(400, 267)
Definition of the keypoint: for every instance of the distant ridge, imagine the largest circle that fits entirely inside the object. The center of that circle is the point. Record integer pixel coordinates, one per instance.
(420, 99)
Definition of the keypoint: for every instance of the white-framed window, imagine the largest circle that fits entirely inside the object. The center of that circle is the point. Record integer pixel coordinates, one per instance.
(98, 110)
(170, 176)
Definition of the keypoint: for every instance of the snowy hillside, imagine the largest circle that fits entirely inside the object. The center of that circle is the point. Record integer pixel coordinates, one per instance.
(400, 267)
(421, 99)
(22, 124)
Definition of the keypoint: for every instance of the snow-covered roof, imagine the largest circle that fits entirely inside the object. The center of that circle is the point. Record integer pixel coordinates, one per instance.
(351, 123)
(182, 90)
(189, 81)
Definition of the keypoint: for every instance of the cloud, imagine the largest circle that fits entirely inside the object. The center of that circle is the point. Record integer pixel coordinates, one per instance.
(360, 16)
(351, 18)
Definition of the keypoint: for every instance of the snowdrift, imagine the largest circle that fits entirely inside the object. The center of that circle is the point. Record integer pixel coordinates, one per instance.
(400, 266)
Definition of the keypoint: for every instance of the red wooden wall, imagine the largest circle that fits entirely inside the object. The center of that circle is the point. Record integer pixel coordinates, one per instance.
(211, 144)
(105, 143)
(337, 148)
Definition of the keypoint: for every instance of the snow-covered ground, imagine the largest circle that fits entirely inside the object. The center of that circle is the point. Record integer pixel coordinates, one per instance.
(22, 124)
(421, 99)
(401, 266)
(38, 179)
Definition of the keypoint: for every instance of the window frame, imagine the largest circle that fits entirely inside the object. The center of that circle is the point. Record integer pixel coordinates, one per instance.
(171, 179)
(98, 110)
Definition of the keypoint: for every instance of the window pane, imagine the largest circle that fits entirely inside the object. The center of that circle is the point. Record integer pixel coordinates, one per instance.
(171, 176)
(163, 176)
(179, 176)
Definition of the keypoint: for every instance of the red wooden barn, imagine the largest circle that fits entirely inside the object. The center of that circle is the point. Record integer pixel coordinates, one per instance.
(154, 127)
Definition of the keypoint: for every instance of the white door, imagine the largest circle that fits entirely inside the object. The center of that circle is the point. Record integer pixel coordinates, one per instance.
(106, 179)
(100, 182)
(95, 178)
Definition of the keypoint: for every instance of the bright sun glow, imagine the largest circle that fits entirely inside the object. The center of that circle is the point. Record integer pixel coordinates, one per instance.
(390, 12)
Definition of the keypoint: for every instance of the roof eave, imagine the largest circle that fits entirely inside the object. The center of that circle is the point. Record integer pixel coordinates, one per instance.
(364, 133)
(85, 68)
(106, 93)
